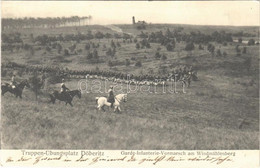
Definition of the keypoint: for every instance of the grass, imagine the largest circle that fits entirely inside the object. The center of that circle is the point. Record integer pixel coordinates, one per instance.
(220, 111)
(148, 121)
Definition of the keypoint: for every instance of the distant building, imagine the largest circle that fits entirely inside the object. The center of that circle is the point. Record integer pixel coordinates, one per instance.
(139, 24)
(133, 19)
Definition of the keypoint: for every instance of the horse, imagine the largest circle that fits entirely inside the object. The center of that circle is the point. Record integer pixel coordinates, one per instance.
(67, 97)
(17, 91)
(102, 101)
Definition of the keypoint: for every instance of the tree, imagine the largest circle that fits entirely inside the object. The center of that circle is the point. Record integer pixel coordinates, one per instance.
(127, 62)
(89, 55)
(48, 49)
(112, 44)
(219, 53)
(99, 35)
(211, 48)
(224, 54)
(95, 55)
(189, 46)
(164, 57)
(110, 63)
(157, 55)
(59, 48)
(66, 52)
(138, 64)
(251, 42)
(87, 46)
(169, 47)
(137, 46)
(244, 50)
(31, 51)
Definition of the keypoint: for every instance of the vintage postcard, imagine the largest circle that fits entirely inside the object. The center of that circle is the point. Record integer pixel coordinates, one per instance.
(130, 84)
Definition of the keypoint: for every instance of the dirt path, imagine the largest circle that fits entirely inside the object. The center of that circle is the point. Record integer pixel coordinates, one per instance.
(116, 29)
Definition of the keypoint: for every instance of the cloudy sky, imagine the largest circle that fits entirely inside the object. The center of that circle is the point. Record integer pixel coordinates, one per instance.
(235, 13)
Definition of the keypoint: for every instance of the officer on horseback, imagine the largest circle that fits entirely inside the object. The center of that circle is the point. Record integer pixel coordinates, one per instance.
(13, 81)
(63, 87)
(111, 97)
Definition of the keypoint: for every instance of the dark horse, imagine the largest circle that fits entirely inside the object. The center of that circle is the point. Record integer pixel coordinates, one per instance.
(17, 91)
(67, 97)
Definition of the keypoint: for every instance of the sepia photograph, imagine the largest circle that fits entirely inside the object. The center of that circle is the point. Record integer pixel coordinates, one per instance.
(122, 75)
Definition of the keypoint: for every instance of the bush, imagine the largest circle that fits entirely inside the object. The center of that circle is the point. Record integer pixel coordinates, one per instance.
(138, 64)
(251, 42)
(157, 55)
(164, 57)
(219, 53)
(169, 47)
(66, 52)
(48, 49)
(89, 55)
(189, 47)
(224, 54)
(87, 46)
(110, 63)
(127, 62)
(137, 46)
(133, 58)
(244, 50)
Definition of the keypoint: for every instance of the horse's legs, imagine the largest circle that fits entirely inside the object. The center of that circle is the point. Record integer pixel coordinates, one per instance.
(117, 109)
(70, 104)
(103, 108)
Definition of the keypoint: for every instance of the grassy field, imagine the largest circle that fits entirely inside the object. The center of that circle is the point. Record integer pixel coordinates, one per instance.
(220, 111)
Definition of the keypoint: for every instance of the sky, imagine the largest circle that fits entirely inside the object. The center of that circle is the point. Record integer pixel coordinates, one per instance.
(234, 13)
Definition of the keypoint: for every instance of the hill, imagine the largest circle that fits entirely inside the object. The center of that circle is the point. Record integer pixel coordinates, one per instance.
(219, 111)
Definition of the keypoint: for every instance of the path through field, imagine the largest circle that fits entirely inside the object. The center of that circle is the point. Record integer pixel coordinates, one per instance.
(116, 29)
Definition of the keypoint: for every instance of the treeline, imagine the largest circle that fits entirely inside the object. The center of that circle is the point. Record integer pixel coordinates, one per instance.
(45, 39)
(194, 37)
(49, 22)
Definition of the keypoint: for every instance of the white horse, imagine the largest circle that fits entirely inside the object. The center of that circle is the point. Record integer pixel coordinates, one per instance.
(102, 101)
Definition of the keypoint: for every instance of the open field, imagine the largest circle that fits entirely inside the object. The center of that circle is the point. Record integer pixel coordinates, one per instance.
(219, 111)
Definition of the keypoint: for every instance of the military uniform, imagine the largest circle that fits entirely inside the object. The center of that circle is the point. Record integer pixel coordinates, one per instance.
(111, 97)
(13, 82)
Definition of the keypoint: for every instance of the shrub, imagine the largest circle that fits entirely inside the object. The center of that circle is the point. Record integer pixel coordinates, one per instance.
(251, 42)
(169, 47)
(164, 57)
(138, 64)
(127, 62)
(189, 47)
(137, 46)
(157, 55)
(66, 52)
(244, 50)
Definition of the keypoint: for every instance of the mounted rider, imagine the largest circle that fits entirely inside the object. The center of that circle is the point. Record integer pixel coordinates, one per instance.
(64, 89)
(111, 97)
(13, 82)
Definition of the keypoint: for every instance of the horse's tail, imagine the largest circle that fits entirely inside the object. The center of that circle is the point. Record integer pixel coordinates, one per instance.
(97, 99)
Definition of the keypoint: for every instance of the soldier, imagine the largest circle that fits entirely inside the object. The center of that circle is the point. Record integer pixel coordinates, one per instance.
(63, 87)
(13, 81)
(111, 97)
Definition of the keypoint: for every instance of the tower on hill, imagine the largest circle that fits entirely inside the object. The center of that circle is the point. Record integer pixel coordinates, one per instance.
(133, 20)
